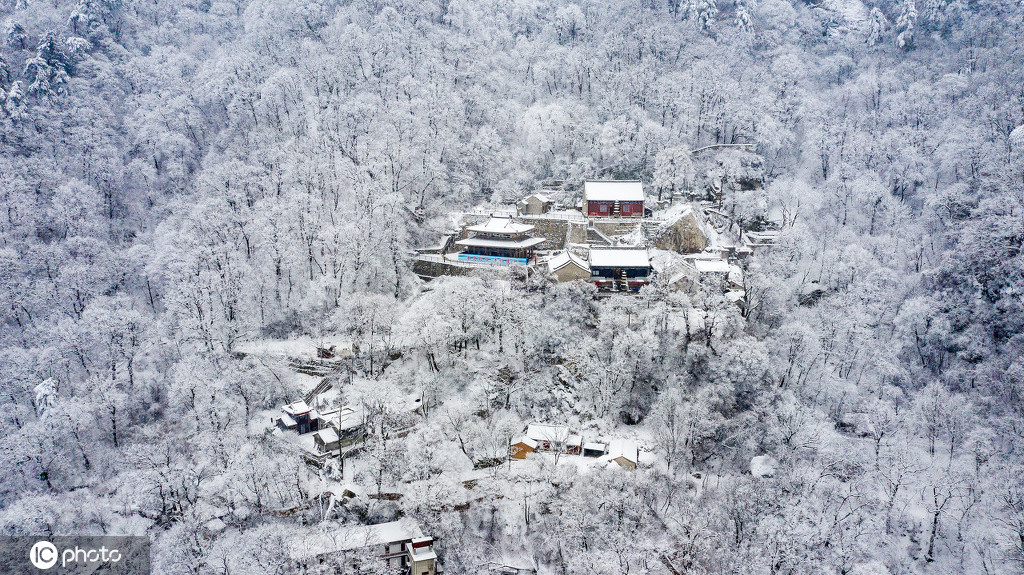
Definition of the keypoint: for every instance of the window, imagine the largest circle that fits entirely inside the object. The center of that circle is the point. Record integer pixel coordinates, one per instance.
(604, 208)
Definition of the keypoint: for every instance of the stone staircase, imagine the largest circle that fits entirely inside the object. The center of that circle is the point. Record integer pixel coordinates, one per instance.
(597, 237)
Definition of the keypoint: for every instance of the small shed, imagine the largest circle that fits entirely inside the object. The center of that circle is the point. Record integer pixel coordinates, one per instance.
(535, 204)
(521, 447)
(326, 440)
(574, 445)
(712, 271)
(594, 449)
(624, 452)
(712, 267)
(566, 267)
(685, 278)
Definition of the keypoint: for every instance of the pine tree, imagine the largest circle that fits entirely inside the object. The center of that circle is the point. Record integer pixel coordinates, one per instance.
(906, 23)
(47, 72)
(742, 16)
(877, 25)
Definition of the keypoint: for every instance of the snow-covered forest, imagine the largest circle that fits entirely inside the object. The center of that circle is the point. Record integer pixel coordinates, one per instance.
(188, 183)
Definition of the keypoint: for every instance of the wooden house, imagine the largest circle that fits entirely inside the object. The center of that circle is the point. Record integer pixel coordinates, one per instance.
(522, 447)
(685, 277)
(348, 423)
(574, 445)
(613, 198)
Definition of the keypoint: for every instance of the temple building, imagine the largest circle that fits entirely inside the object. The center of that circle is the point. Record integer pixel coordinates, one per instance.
(619, 269)
(499, 241)
(613, 199)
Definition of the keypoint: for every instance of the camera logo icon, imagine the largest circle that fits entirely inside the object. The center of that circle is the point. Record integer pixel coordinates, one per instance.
(43, 555)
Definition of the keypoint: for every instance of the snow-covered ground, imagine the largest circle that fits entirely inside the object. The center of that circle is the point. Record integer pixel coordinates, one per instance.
(299, 347)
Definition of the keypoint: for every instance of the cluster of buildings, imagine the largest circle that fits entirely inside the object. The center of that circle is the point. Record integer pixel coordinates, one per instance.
(506, 239)
(544, 438)
(399, 546)
(609, 268)
(337, 430)
(606, 239)
(324, 433)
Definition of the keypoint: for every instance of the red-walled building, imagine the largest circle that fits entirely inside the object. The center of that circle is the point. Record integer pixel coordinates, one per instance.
(613, 199)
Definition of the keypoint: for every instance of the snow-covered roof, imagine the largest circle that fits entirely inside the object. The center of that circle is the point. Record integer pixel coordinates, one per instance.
(594, 446)
(764, 238)
(574, 440)
(860, 423)
(612, 190)
(545, 432)
(424, 553)
(686, 271)
(287, 421)
(526, 441)
(485, 243)
(563, 259)
(619, 258)
(315, 542)
(736, 274)
(348, 417)
(500, 225)
(541, 197)
(711, 266)
(298, 408)
(624, 448)
(328, 435)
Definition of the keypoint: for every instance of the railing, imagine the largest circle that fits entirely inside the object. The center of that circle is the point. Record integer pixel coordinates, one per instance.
(623, 220)
(438, 259)
(560, 216)
(504, 212)
(567, 217)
